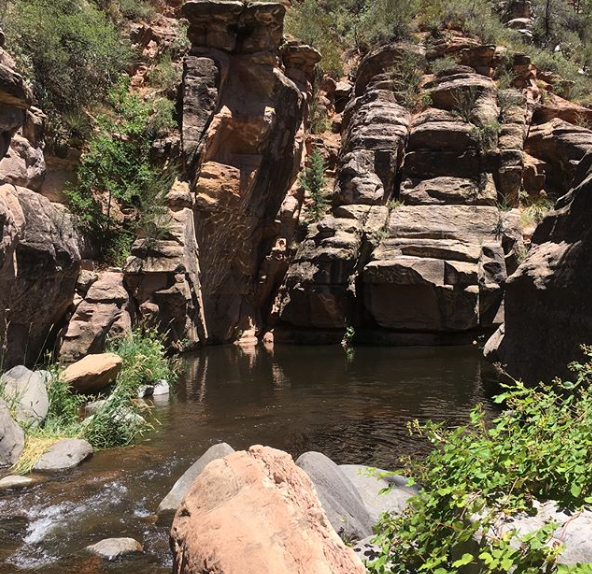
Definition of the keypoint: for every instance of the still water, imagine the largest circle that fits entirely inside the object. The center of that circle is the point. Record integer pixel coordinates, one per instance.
(352, 408)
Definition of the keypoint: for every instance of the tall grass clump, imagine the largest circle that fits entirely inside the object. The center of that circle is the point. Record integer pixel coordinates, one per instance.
(483, 473)
(118, 419)
(144, 359)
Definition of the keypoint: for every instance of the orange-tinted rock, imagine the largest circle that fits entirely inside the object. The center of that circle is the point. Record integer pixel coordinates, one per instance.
(256, 511)
(92, 373)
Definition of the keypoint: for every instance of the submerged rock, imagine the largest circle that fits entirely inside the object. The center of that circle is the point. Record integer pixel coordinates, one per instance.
(12, 437)
(173, 499)
(65, 454)
(27, 390)
(340, 499)
(161, 388)
(256, 511)
(113, 548)
(93, 373)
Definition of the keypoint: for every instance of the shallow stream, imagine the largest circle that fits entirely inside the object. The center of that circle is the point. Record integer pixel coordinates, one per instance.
(352, 408)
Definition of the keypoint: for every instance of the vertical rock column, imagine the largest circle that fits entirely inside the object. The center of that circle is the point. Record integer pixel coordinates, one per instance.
(241, 115)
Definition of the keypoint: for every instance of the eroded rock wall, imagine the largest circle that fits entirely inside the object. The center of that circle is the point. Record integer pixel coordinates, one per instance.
(415, 249)
(39, 256)
(548, 305)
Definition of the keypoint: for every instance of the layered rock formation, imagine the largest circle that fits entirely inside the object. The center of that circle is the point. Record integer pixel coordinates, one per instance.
(548, 306)
(39, 257)
(416, 249)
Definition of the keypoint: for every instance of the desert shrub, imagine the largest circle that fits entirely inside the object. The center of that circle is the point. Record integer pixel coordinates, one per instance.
(536, 449)
(69, 52)
(407, 73)
(442, 64)
(317, 25)
(165, 76)
(313, 180)
(387, 20)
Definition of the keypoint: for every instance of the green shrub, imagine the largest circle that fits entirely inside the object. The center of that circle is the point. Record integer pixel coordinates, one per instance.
(407, 74)
(144, 361)
(317, 26)
(118, 166)
(165, 76)
(537, 449)
(442, 64)
(313, 180)
(70, 53)
(388, 20)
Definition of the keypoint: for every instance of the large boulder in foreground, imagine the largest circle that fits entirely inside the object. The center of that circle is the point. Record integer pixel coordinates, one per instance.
(93, 373)
(256, 511)
(548, 308)
(172, 501)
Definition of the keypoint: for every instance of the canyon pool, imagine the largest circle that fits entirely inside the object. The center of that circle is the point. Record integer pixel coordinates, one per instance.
(353, 406)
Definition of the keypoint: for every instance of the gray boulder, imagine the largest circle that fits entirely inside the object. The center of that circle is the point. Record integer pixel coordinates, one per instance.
(12, 437)
(65, 454)
(27, 391)
(113, 548)
(172, 501)
(339, 497)
(370, 488)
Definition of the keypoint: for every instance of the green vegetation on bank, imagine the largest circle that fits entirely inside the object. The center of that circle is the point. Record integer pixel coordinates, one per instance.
(480, 474)
(561, 36)
(121, 190)
(117, 419)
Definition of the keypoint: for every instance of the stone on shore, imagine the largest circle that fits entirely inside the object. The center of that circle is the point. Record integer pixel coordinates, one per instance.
(256, 511)
(113, 548)
(64, 454)
(14, 482)
(93, 373)
(27, 391)
(340, 499)
(12, 437)
(172, 501)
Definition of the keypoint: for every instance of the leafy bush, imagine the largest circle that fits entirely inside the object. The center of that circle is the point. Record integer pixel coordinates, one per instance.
(70, 53)
(407, 74)
(165, 76)
(387, 20)
(144, 362)
(537, 449)
(317, 26)
(313, 180)
(118, 166)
